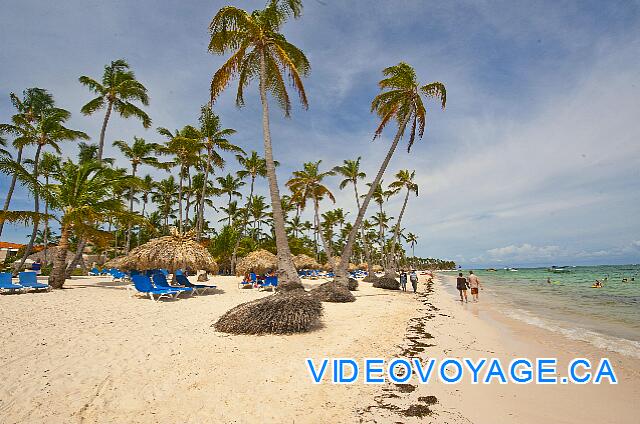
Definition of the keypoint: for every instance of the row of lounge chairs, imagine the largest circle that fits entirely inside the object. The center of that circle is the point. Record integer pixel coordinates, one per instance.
(27, 281)
(314, 274)
(268, 283)
(157, 285)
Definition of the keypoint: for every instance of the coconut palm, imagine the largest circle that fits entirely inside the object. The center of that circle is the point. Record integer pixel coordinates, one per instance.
(400, 101)
(307, 184)
(215, 139)
(229, 185)
(259, 50)
(33, 102)
(48, 164)
(404, 180)
(185, 145)
(117, 90)
(46, 130)
(138, 153)
(164, 195)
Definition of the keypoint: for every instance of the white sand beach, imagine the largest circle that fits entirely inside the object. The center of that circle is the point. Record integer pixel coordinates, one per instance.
(89, 353)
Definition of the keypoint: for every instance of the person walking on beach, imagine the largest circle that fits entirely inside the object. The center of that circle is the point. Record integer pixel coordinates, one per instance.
(461, 285)
(474, 284)
(403, 280)
(414, 280)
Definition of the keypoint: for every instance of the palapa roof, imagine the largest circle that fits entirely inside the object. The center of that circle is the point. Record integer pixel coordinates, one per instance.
(257, 261)
(352, 267)
(363, 266)
(173, 252)
(304, 261)
(377, 268)
(119, 263)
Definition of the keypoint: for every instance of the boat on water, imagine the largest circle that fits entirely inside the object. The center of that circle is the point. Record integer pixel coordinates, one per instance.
(491, 269)
(559, 269)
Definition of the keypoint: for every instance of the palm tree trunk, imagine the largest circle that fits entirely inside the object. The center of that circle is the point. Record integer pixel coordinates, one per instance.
(12, 186)
(234, 255)
(188, 206)
(396, 232)
(325, 246)
(103, 130)
(36, 208)
(203, 194)
(144, 207)
(58, 272)
(46, 224)
(76, 257)
(180, 202)
(128, 244)
(365, 245)
(341, 273)
(286, 269)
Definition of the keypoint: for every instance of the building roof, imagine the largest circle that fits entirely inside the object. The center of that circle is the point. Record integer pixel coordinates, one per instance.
(7, 245)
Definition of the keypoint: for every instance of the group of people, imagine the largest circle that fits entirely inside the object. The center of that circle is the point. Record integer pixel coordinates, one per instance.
(256, 279)
(412, 276)
(472, 282)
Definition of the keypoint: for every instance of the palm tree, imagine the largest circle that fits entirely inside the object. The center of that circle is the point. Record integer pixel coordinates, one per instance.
(138, 153)
(164, 194)
(118, 89)
(404, 179)
(350, 171)
(230, 185)
(214, 139)
(401, 100)
(34, 101)
(260, 50)
(412, 239)
(185, 145)
(46, 130)
(145, 185)
(48, 164)
(307, 184)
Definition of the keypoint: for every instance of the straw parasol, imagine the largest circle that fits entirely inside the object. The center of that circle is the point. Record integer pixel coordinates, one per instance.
(352, 267)
(257, 261)
(119, 263)
(363, 266)
(173, 252)
(286, 313)
(377, 268)
(304, 261)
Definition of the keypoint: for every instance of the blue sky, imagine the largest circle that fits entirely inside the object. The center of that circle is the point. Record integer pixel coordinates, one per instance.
(534, 161)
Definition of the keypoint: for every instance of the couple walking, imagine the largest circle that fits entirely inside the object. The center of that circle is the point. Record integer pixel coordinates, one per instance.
(414, 280)
(462, 284)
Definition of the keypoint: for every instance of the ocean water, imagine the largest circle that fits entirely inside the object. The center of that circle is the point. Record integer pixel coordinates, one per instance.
(608, 317)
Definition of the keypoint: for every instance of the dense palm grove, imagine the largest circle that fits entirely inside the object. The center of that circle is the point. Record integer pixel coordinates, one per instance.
(86, 203)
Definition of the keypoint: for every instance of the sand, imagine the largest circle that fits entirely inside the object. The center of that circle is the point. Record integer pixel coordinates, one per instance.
(90, 353)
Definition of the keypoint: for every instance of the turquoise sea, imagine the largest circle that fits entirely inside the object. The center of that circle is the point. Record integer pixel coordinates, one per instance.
(607, 317)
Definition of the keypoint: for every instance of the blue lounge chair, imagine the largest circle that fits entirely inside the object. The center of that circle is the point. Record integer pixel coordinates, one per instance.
(269, 283)
(29, 279)
(160, 281)
(6, 284)
(142, 283)
(184, 281)
(117, 275)
(94, 271)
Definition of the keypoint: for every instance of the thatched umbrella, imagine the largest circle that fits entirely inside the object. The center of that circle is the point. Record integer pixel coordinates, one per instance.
(304, 261)
(377, 268)
(257, 261)
(291, 312)
(173, 252)
(119, 263)
(352, 267)
(363, 266)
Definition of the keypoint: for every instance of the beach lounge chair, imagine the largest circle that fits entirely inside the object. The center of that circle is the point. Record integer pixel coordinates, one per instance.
(29, 280)
(7, 285)
(117, 275)
(160, 281)
(94, 272)
(142, 284)
(269, 283)
(184, 281)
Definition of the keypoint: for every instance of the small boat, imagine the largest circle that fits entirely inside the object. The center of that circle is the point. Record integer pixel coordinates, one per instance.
(559, 269)
(491, 269)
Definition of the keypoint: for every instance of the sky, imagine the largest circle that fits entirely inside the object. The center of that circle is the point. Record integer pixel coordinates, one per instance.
(535, 161)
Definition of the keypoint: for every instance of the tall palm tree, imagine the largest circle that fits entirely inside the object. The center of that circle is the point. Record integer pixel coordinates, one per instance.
(164, 195)
(351, 173)
(47, 130)
(48, 164)
(138, 153)
(307, 184)
(34, 101)
(145, 185)
(230, 185)
(404, 179)
(401, 101)
(117, 90)
(259, 50)
(185, 145)
(412, 239)
(215, 138)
